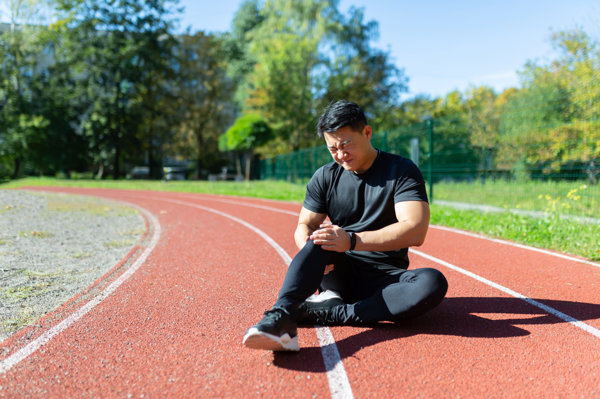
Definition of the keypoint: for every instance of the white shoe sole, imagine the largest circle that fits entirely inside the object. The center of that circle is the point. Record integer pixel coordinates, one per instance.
(323, 296)
(257, 339)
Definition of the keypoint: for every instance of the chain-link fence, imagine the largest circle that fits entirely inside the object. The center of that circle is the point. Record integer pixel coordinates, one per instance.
(537, 153)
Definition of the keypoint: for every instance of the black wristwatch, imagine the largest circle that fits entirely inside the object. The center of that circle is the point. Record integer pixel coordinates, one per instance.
(352, 240)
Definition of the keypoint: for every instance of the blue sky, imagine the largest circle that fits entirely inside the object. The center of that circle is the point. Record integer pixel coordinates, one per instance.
(446, 45)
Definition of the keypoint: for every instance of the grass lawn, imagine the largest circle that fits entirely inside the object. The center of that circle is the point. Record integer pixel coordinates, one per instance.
(276, 190)
(553, 232)
(562, 197)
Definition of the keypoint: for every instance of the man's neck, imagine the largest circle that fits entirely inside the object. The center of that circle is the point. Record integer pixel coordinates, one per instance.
(372, 157)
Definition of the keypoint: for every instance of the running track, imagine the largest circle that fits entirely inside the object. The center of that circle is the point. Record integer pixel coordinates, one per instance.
(168, 320)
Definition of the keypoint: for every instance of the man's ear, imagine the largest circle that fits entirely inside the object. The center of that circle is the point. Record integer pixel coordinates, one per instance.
(368, 131)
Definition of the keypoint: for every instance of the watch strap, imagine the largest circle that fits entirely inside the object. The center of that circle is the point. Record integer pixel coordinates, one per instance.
(352, 240)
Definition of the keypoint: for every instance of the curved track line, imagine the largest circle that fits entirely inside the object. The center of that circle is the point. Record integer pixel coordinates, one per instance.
(466, 233)
(546, 308)
(513, 244)
(250, 205)
(268, 208)
(43, 339)
(565, 317)
(339, 385)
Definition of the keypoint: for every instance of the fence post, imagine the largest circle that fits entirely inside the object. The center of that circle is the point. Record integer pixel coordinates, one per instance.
(430, 160)
(385, 141)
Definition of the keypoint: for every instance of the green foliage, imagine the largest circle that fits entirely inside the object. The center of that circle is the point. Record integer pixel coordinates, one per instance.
(552, 120)
(115, 49)
(21, 118)
(237, 47)
(358, 72)
(248, 132)
(203, 99)
(285, 47)
(294, 57)
(108, 86)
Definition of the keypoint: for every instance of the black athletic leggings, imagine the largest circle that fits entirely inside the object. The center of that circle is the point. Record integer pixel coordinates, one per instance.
(372, 294)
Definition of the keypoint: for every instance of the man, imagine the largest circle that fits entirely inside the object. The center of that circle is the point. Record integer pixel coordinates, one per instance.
(377, 208)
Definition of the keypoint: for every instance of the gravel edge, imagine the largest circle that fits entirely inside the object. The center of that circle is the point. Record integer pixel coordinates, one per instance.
(54, 245)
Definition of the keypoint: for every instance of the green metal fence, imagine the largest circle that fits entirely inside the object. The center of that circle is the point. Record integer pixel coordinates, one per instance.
(517, 174)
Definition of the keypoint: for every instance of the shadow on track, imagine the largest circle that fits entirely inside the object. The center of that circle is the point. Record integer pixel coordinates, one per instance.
(463, 317)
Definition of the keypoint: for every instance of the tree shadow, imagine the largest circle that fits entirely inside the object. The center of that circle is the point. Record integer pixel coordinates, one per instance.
(461, 316)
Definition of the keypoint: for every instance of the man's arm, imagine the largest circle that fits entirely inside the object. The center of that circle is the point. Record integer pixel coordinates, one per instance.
(410, 230)
(308, 222)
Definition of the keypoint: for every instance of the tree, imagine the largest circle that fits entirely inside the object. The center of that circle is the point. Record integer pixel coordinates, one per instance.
(113, 48)
(285, 47)
(248, 132)
(237, 47)
(298, 56)
(483, 119)
(358, 72)
(204, 99)
(550, 122)
(21, 43)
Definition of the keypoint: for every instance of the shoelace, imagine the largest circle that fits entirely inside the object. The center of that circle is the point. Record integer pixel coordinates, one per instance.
(274, 314)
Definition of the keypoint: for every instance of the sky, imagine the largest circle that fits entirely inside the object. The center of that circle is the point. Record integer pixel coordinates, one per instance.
(446, 45)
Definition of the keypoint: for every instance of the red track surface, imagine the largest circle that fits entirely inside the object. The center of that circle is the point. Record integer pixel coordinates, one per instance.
(174, 327)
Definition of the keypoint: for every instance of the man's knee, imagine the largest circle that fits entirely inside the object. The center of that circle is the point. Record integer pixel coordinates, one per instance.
(431, 288)
(434, 283)
(315, 253)
(309, 251)
(310, 246)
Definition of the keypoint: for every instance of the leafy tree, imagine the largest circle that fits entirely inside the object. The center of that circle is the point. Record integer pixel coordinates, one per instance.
(358, 72)
(285, 47)
(159, 82)
(248, 132)
(113, 48)
(580, 63)
(57, 148)
(237, 47)
(413, 111)
(483, 119)
(303, 55)
(549, 122)
(21, 44)
(204, 99)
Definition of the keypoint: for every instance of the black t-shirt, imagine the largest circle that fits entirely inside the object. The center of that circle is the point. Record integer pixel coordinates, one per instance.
(365, 202)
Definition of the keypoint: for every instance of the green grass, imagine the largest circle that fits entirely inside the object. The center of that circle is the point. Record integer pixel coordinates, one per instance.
(260, 189)
(552, 232)
(26, 316)
(119, 243)
(89, 206)
(564, 197)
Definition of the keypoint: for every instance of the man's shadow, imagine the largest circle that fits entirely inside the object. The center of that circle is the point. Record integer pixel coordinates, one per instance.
(463, 317)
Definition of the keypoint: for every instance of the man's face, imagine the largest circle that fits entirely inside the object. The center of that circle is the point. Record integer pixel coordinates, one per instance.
(351, 149)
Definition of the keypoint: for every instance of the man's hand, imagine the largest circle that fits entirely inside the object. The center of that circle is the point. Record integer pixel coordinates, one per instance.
(331, 238)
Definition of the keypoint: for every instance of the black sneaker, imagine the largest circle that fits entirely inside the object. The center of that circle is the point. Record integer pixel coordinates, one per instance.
(276, 331)
(318, 309)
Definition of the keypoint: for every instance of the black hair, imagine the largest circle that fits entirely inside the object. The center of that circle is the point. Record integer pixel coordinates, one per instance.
(340, 114)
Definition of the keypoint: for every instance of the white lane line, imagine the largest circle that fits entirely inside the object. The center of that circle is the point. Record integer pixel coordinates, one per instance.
(546, 308)
(533, 302)
(466, 233)
(513, 244)
(251, 205)
(339, 385)
(46, 337)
